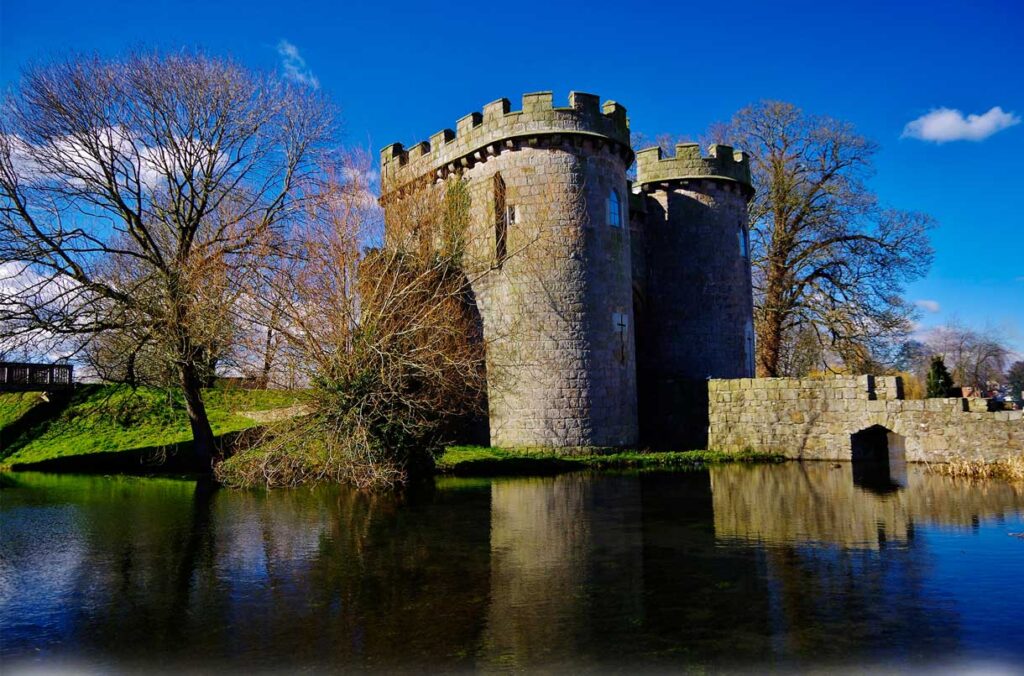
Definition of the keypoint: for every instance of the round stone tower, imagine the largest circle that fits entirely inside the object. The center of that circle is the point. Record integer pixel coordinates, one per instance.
(547, 252)
(697, 302)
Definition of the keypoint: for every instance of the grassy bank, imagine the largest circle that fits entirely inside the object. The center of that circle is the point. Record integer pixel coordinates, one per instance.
(484, 461)
(113, 419)
(13, 405)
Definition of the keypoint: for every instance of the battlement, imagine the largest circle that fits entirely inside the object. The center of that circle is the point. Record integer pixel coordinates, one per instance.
(478, 136)
(721, 162)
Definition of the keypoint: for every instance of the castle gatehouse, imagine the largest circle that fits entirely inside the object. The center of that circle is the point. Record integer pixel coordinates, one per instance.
(606, 304)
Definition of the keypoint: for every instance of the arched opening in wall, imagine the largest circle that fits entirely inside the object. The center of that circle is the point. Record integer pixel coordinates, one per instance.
(879, 459)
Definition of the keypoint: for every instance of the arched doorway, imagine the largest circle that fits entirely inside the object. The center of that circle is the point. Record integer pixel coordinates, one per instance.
(879, 459)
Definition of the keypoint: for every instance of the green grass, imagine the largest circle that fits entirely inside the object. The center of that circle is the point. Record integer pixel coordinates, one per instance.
(13, 405)
(479, 460)
(110, 419)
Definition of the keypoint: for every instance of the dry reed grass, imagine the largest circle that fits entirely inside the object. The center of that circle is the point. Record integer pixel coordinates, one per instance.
(1008, 469)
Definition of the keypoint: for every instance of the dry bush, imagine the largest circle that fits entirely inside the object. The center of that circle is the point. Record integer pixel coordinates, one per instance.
(388, 335)
(385, 323)
(913, 388)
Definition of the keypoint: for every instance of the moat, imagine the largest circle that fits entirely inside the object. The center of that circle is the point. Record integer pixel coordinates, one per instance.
(795, 565)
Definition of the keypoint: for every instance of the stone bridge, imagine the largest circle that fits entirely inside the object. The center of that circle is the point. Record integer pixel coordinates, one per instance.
(843, 417)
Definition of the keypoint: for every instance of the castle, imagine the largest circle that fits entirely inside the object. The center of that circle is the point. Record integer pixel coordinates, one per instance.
(606, 303)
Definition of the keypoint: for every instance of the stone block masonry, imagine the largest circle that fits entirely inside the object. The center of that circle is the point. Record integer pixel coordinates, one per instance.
(548, 261)
(814, 418)
(546, 241)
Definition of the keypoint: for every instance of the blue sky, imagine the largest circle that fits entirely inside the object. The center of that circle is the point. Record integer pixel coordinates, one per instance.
(402, 71)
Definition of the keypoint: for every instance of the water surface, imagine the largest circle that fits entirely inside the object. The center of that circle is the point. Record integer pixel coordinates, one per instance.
(794, 565)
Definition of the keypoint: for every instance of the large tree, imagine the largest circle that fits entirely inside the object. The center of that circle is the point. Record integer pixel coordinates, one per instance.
(827, 257)
(139, 194)
(977, 357)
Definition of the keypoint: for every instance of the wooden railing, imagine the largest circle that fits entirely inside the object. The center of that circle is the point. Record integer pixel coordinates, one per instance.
(20, 377)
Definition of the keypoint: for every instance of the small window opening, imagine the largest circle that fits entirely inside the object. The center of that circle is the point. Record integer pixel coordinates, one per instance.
(501, 221)
(742, 233)
(614, 209)
(620, 325)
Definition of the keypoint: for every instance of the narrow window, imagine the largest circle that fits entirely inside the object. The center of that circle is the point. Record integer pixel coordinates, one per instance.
(620, 325)
(742, 233)
(501, 220)
(614, 209)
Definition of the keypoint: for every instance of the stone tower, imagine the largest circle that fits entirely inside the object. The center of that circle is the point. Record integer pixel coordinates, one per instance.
(547, 252)
(693, 286)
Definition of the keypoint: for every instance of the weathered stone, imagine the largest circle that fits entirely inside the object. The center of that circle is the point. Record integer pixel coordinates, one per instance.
(815, 426)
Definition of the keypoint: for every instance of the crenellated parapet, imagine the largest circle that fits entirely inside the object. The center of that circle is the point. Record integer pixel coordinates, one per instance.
(721, 163)
(479, 136)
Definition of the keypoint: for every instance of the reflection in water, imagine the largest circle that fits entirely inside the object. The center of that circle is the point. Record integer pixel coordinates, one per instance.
(564, 551)
(787, 565)
(818, 502)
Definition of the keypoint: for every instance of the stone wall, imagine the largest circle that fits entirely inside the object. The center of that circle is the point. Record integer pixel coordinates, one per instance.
(696, 316)
(814, 418)
(560, 372)
(557, 307)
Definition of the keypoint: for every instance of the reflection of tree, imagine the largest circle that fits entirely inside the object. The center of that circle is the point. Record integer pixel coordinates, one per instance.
(750, 565)
(170, 571)
(366, 579)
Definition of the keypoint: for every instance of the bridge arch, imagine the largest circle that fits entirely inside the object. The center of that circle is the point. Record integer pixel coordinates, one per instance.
(879, 458)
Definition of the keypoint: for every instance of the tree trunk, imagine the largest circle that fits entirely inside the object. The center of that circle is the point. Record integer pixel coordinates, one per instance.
(769, 347)
(202, 433)
(268, 360)
(769, 329)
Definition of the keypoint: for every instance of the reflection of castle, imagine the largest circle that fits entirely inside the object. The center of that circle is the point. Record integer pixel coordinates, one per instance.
(751, 564)
(781, 564)
(597, 288)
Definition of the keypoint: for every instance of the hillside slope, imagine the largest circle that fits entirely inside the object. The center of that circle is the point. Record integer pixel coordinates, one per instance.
(104, 419)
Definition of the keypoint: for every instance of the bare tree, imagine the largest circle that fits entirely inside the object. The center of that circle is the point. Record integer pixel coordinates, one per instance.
(139, 194)
(827, 258)
(977, 358)
(387, 334)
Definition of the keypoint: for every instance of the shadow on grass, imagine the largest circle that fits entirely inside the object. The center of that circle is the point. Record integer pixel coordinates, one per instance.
(171, 459)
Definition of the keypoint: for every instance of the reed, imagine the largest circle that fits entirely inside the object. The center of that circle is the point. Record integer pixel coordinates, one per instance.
(1008, 469)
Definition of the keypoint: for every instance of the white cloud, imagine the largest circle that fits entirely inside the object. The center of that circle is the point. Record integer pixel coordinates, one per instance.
(928, 305)
(947, 124)
(294, 65)
(134, 164)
